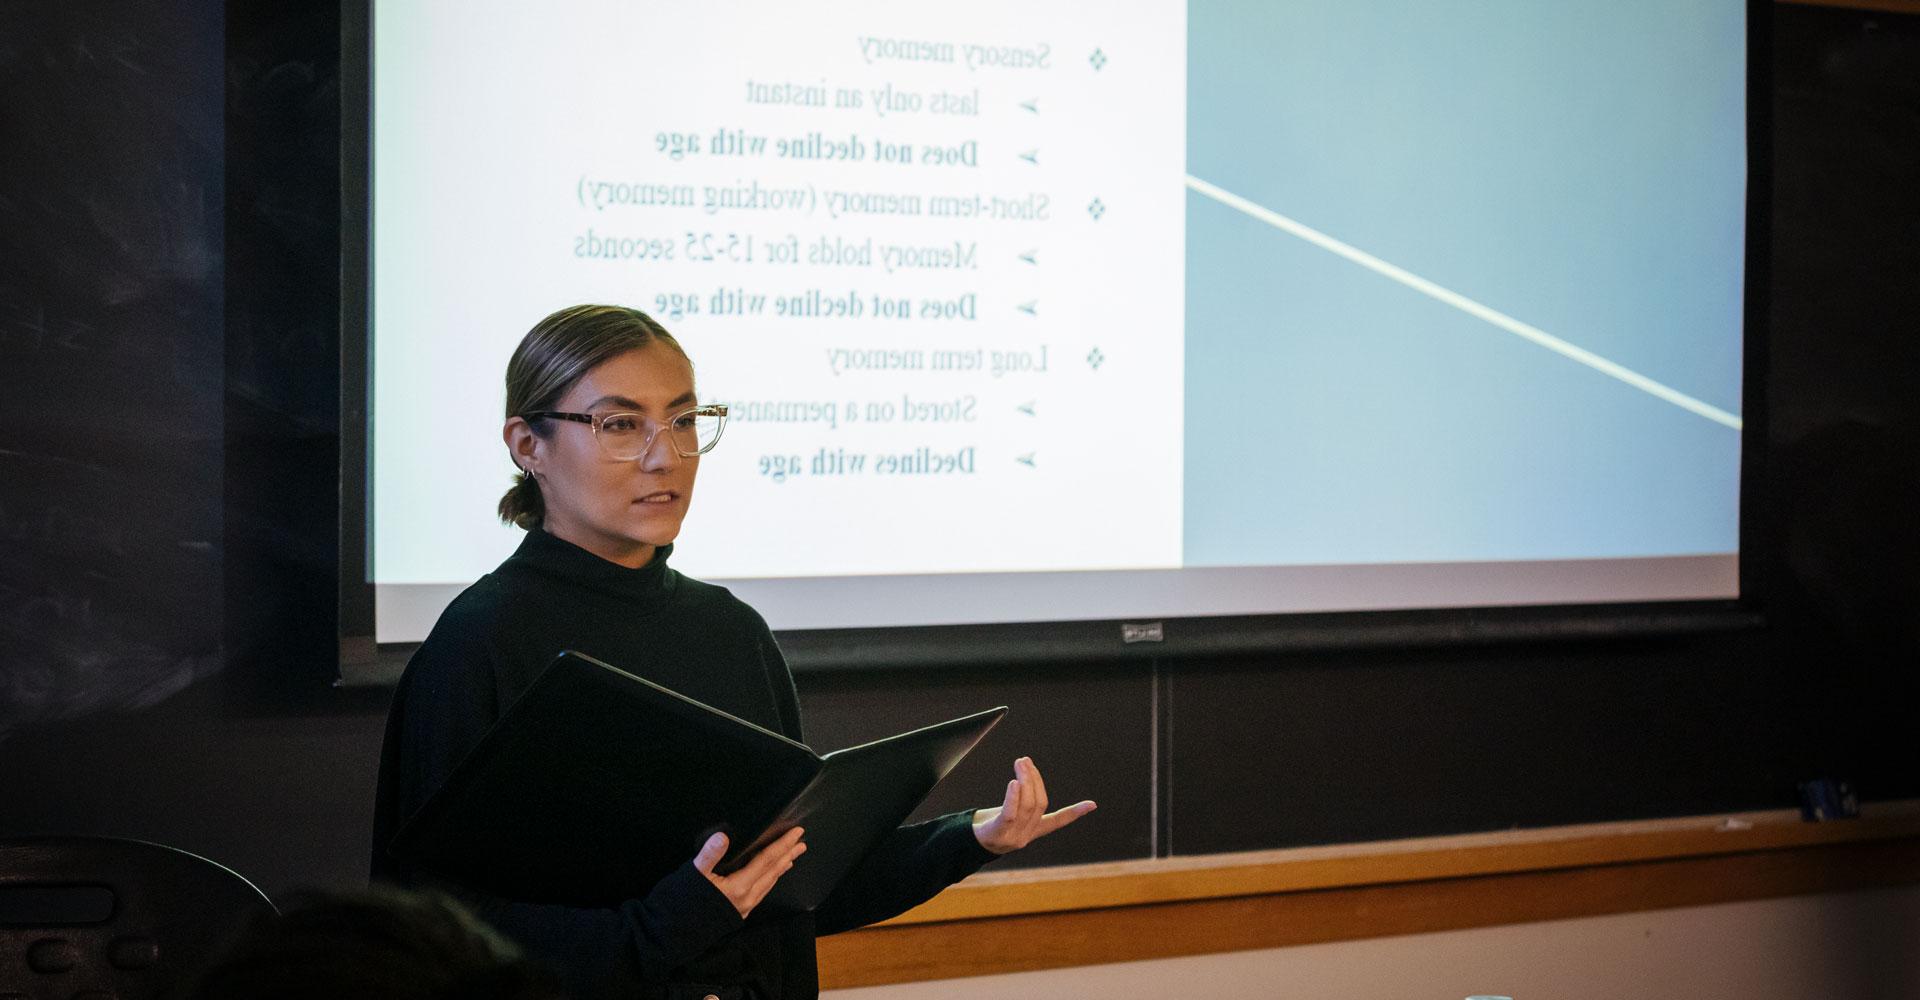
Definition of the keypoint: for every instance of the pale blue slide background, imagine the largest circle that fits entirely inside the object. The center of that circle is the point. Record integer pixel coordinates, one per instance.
(1579, 168)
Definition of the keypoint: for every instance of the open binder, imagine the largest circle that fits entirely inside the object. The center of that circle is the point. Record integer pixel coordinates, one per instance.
(596, 784)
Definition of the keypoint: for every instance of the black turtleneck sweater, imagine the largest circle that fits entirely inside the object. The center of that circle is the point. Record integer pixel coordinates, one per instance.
(683, 937)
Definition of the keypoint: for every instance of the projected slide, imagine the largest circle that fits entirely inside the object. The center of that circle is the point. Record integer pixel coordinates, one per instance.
(936, 272)
(1471, 289)
(1030, 310)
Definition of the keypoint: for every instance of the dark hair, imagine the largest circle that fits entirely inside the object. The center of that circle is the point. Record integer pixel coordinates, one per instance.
(376, 944)
(555, 354)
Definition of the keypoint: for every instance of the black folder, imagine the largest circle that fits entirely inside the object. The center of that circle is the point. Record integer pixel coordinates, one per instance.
(596, 783)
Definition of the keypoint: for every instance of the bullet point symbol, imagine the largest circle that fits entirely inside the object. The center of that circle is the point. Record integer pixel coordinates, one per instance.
(1098, 59)
(1030, 308)
(1031, 156)
(1027, 408)
(1031, 257)
(1096, 208)
(1095, 358)
(1032, 104)
(1026, 459)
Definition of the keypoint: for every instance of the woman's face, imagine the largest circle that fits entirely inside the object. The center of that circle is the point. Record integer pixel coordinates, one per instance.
(618, 510)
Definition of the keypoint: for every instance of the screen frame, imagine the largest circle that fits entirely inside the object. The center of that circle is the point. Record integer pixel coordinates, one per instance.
(363, 661)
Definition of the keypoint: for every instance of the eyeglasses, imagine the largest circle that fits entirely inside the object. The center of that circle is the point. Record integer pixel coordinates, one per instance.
(627, 436)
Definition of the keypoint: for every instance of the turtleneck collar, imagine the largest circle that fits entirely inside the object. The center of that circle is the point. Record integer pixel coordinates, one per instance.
(649, 585)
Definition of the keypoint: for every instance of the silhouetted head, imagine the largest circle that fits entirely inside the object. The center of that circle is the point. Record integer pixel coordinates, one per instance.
(380, 944)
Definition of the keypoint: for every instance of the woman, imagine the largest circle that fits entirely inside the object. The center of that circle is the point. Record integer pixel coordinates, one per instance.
(604, 425)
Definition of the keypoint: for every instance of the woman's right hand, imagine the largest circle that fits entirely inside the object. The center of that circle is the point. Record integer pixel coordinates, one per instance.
(750, 883)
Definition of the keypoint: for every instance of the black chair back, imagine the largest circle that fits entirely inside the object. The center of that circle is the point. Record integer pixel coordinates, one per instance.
(99, 918)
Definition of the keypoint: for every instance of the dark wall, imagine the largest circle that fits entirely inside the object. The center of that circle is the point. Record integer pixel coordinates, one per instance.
(168, 188)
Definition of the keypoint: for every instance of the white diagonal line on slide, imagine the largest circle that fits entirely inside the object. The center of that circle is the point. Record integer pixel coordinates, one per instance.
(1464, 304)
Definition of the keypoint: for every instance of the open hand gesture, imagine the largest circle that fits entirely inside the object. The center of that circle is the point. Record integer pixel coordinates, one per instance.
(1023, 817)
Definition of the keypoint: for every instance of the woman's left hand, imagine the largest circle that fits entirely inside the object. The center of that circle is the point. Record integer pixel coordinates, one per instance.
(1023, 818)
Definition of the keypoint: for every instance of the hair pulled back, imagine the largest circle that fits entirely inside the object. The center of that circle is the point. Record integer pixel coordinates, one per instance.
(555, 354)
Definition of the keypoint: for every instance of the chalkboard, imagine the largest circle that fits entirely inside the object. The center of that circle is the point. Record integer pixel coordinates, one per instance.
(111, 207)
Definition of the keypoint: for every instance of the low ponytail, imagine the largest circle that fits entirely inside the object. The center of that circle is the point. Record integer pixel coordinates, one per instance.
(523, 506)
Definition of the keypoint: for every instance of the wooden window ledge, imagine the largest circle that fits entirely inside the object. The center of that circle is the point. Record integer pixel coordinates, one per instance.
(1018, 921)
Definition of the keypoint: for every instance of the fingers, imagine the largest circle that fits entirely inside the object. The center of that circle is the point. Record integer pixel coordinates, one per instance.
(1025, 801)
(1039, 784)
(1061, 817)
(750, 883)
(710, 853)
(762, 885)
(771, 856)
